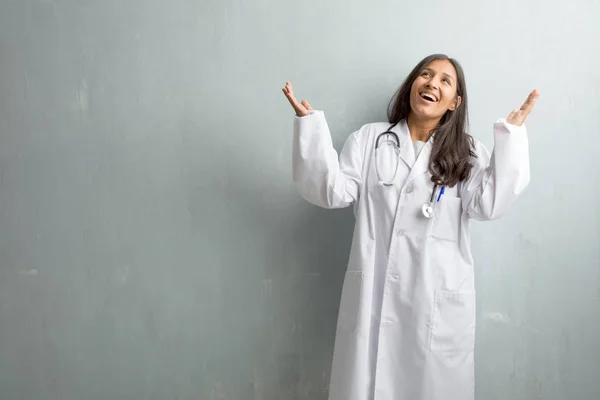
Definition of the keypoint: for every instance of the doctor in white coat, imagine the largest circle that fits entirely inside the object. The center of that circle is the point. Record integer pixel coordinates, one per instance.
(406, 324)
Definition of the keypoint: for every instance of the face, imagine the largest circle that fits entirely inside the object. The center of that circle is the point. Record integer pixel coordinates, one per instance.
(433, 92)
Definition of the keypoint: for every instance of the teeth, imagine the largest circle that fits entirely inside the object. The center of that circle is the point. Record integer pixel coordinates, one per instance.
(428, 96)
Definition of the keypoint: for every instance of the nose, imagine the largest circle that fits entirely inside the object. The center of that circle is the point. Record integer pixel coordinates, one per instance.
(432, 84)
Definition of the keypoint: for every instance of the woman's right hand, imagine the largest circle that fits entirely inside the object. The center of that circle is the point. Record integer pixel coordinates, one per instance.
(303, 108)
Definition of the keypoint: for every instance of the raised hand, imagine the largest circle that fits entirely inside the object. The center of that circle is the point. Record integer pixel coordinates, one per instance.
(302, 109)
(517, 117)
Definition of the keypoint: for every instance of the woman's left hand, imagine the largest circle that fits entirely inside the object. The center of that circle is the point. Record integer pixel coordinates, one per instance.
(517, 117)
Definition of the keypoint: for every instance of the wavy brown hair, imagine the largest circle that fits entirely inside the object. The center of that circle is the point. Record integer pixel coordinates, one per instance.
(453, 148)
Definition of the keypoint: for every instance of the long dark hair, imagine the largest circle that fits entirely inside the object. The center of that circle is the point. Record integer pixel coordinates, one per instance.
(453, 147)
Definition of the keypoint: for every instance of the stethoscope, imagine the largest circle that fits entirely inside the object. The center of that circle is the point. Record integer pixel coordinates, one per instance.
(396, 147)
(391, 137)
(428, 208)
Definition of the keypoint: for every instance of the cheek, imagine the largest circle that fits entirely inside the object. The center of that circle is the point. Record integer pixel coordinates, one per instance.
(413, 90)
(448, 98)
(417, 83)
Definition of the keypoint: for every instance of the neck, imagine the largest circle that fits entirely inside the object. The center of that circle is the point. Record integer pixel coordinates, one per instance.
(421, 129)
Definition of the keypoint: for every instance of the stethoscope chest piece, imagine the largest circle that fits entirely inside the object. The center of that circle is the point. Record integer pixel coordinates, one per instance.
(427, 210)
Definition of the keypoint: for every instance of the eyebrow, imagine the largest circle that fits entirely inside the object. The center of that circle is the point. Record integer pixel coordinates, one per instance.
(443, 73)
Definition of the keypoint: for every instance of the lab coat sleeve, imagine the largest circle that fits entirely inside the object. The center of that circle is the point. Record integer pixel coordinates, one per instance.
(319, 175)
(496, 181)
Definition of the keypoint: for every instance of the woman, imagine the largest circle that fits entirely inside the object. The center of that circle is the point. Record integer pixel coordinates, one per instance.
(406, 325)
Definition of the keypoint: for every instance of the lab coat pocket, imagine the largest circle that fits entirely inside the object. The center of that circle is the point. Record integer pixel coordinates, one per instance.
(447, 218)
(453, 326)
(350, 302)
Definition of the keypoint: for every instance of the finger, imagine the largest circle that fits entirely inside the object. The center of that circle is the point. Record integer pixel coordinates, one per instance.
(527, 107)
(298, 108)
(290, 96)
(288, 93)
(531, 99)
(288, 89)
(512, 115)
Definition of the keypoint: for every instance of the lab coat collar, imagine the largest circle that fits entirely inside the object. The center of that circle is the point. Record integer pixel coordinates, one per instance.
(407, 152)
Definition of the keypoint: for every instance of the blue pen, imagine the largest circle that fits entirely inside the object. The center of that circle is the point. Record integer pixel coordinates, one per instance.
(441, 193)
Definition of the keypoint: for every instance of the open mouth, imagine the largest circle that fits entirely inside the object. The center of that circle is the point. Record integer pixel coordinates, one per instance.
(429, 97)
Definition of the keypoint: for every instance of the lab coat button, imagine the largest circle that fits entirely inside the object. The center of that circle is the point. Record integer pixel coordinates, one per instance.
(409, 189)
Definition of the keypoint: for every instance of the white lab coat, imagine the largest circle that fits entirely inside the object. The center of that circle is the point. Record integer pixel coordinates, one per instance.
(406, 324)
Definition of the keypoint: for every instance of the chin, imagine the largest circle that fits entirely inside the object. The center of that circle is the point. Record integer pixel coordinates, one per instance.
(425, 113)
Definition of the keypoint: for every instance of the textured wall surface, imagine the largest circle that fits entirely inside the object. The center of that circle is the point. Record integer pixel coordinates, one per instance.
(152, 245)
